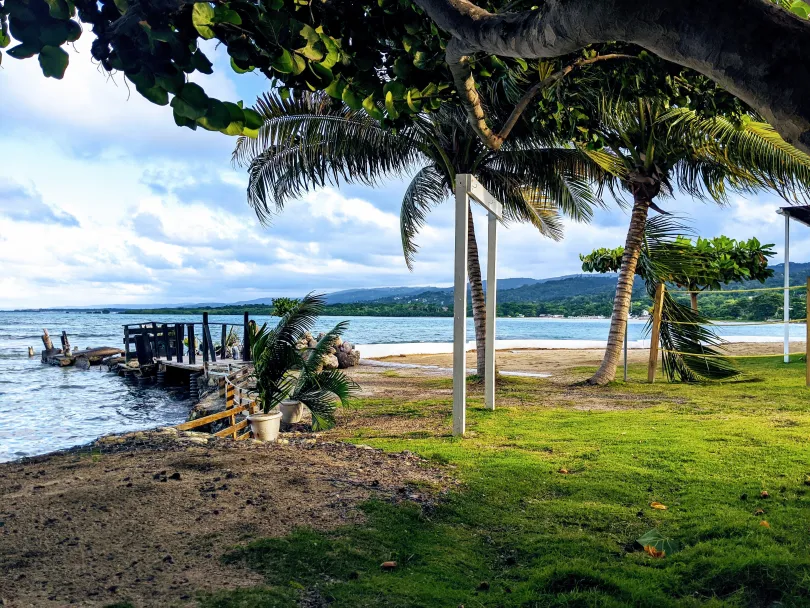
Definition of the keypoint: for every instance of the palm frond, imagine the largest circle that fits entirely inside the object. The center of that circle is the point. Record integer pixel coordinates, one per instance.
(428, 188)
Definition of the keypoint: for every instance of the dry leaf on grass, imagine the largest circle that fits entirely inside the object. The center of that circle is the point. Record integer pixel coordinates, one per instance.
(759, 512)
(764, 524)
(654, 552)
(657, 505)
(564, 471)
(764, 494)
(388, 565)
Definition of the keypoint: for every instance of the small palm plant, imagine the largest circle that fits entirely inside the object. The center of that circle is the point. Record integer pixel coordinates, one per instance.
(283, 372)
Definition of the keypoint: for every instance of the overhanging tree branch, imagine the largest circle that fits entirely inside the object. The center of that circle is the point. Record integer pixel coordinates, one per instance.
(754, 49)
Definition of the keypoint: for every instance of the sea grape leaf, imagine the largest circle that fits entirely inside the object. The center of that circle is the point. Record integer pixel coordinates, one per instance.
(371, 108)
(283, 63)
(53, 61)
(202, 16)
(660, 543)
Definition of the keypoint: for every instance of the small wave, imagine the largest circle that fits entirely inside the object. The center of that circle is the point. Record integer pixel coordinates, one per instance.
(69, 386)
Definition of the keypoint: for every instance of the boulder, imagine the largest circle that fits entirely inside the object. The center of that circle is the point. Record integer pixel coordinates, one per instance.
(82, 362)
(346, 360)
(330, 362)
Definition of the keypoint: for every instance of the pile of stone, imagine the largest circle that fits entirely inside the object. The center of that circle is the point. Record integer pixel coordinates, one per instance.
(340, 355)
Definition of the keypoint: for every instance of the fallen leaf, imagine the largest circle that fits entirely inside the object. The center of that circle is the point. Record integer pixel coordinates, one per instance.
(764, 494)
(759, 512)
(662, 544)
(388, 565)
(564, 471)
(654, 552)
(764, 524)
(657, 505)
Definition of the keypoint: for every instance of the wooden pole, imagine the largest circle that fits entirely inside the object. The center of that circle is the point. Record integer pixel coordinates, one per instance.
(178, 341)
(460, 308)
(126, 344)
(192, 346)
(492, 290)
(224, 348)
(246, 339)
(807, 341)
(46, 340)
(655, 336)
(205, 338)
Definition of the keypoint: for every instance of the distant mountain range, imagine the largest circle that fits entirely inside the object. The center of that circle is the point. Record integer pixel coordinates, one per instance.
(510, 290)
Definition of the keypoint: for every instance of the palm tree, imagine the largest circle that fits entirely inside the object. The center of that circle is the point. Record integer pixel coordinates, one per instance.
(309, 140)
(283, 372)
(652, 148)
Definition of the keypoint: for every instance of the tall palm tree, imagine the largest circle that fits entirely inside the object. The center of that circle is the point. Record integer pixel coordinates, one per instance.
(309, 140)
(653, 148)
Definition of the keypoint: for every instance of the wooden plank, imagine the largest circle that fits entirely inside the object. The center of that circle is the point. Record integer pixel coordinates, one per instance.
(232, 430)
(192, 345)
(209, 343)
(243, 436)
(492, 290)
(655, 335)
(460, 311)
(192, 424)
(178, 341)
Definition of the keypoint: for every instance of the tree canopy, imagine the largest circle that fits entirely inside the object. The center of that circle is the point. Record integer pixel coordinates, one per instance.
(400, 57)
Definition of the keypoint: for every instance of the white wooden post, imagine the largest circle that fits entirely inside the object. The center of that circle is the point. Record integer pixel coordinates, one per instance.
(492, 290)
(460, 308)
(787, 288)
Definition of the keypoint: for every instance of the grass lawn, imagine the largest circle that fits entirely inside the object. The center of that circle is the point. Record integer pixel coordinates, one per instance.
(522, 533)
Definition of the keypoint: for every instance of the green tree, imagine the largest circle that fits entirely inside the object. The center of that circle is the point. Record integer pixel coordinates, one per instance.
(308, 140)
(281, 306)
(388, 48)
(723, 260)
(654, 146)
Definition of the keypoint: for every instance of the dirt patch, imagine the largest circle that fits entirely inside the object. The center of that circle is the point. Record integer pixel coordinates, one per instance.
(146, 517)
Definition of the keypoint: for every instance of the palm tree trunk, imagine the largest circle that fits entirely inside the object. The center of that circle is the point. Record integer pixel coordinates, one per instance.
(693, 298)
(624, 292)
(479, 306)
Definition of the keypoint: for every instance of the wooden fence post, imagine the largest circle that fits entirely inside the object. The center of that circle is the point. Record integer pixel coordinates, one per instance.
(178, 341)
(246, 340)
(205, 338)
(655, 335)
(192, 345)
(807, 337)
(224, 348)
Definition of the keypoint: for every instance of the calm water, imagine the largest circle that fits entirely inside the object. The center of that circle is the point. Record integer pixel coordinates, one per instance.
(44, 408)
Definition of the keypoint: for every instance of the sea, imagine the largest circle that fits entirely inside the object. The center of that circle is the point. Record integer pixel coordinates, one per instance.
(45, 408)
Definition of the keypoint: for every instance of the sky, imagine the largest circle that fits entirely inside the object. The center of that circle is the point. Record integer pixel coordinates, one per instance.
(104, 201)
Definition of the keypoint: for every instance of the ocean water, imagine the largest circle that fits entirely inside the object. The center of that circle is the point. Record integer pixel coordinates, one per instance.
(44, 408)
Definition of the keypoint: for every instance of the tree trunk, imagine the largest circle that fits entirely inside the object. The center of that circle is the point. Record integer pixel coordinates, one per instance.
(693, 298)
(624, 292)
(754, 49)
(479, 305)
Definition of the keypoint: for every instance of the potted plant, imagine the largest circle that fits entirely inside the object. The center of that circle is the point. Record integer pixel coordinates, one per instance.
(289, 378)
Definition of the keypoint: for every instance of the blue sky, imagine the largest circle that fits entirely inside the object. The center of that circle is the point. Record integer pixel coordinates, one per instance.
(103, 200)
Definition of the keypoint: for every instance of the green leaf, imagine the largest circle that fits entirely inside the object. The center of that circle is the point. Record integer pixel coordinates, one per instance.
(186, 111)
(371, 108)
(413, 99)
(390, 106)
(22, 51)
(334, 90)
(654, 539)
(351, 99)
(802, 9)
(171, 81)
(397, 89)
(201, 63)
(202, 17)
(182, 121)
(253, 119)
(235, 67)
(226, 15)
(299, 64)
(155, 94)
(59, 9)
(194, 95)
(421, 60)
(284, 63)
(53, 61)
(235, 128)
(323, 74)
(332, 52)
(218, 115)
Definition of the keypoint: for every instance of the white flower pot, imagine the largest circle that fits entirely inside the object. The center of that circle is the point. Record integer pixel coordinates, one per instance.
(265, 427)
(291, 411)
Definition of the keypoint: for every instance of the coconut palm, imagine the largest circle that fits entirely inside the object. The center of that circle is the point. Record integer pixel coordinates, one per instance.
(309, 140)
(283, 372)
(653, 148)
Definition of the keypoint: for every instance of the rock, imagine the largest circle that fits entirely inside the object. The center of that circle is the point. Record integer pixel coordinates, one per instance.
(312, 343)
(30, 351)
(348, 347)
(330, 362)
(338, 341)
(344, 359)
(82, 362)
(331, 350)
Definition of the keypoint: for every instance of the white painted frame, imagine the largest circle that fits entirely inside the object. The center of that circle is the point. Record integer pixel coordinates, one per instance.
(467, 187)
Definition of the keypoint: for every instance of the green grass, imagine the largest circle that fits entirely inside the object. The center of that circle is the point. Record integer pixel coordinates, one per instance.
(520, 533)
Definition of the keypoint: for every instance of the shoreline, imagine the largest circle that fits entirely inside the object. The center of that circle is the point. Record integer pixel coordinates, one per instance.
(377, 351)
